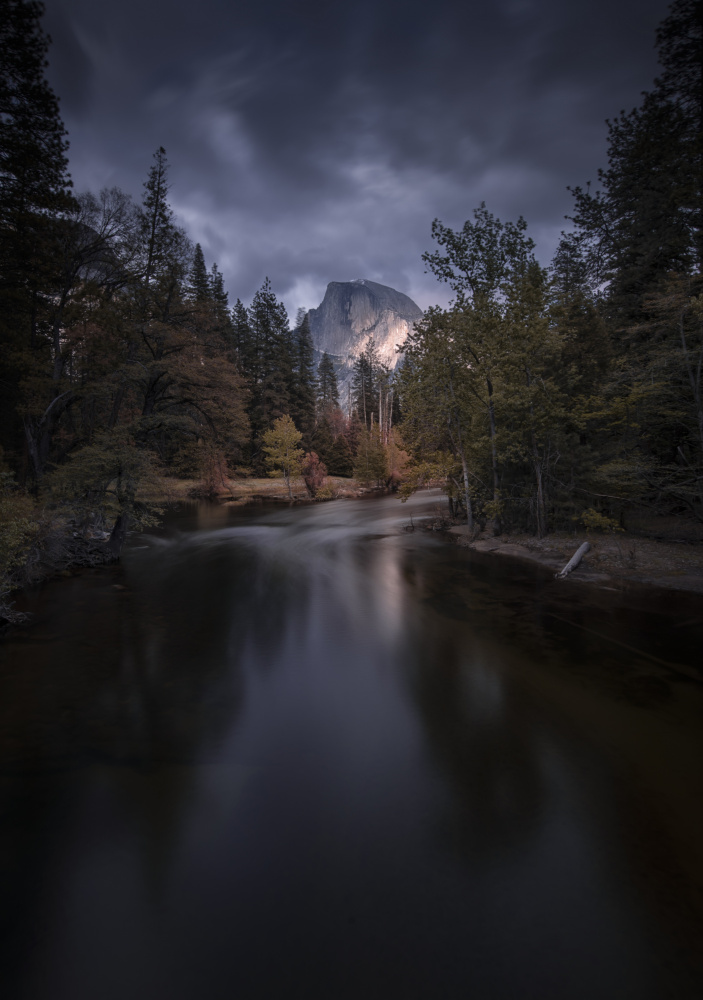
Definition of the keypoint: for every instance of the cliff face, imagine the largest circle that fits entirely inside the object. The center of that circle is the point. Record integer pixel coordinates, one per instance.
(353, 311)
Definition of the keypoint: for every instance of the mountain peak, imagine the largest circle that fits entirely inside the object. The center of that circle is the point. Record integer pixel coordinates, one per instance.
(353, 311)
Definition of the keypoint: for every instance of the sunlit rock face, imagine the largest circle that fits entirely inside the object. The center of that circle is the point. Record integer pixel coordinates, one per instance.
(353, 311)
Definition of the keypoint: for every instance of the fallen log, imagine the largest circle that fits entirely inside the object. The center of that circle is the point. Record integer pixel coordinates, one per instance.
(574, 561)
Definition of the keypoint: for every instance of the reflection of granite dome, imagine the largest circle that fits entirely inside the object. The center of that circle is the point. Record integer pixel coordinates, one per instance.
(353, 311)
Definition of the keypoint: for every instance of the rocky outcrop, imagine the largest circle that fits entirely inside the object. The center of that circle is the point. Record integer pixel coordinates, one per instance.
(353, 311)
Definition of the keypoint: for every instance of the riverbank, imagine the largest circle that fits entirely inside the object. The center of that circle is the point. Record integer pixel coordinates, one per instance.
(252, 490)
(42, 545)
(615, 560)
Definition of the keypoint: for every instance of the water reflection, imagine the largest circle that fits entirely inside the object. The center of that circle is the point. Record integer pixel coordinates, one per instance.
(302, 751)
(477, 731)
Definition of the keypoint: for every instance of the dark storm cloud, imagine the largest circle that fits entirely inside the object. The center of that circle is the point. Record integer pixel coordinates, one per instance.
(316, 142)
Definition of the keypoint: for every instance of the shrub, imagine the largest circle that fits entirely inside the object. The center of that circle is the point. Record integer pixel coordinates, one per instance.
(592, 520)
(314, 473)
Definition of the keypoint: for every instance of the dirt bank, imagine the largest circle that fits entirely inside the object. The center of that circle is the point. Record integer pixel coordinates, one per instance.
(614, 560)
(243, 491)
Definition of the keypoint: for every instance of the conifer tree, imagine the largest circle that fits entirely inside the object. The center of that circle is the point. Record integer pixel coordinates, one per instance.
(303, 383)
(352, 432)
(200, 288)
(34, 181)
(371, 466)
(217, 288)
(222, 320)
(365, 383)
(340, 461)
(160, 236)
(323, 442)
(327, 389)
(645, 222)
(241, 337)
(34, 197)
(270, 363)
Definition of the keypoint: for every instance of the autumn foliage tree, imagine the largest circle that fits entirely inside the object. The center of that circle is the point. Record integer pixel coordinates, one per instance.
(314, 473)
(284, 455)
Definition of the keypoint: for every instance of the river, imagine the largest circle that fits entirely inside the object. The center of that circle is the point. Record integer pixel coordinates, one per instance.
(303, 752)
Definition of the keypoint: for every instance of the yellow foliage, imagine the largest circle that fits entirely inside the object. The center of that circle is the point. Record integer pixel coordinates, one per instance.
(594, 521)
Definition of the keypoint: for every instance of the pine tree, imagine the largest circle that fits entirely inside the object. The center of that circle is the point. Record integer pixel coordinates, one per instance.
(34, 181)
(200, 288)
(221, 317)
(645, 221)
(164, 246)
(327, 389)
(304, 384)
(340, 461)
(34, 197)
(241, 337)
(270, 362)
(366, 383)
(323, 442)
(353, 432)
(574, 311)
(217, 288)
(371, 466)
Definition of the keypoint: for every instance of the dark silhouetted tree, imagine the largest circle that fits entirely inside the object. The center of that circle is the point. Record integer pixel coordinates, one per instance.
(327, 389)
(199, 282)
(303, 386)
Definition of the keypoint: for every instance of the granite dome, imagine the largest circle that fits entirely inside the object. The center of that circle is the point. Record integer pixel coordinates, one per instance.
(353, 311)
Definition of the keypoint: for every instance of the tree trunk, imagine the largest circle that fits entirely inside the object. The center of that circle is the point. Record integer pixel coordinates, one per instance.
(118, 535)
(541, 518)
(694, 377)
(494, 452)
(467, 495)
(38, 434)
(32, 450)
(492, 426)
(574, 561)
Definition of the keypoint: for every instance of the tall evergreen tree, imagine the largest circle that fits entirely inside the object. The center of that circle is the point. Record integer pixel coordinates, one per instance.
(340, 461)
(217, 288)
(200, 288)
(365, 383)
(164, 245)
(323, 442)
(242, 342)
(645, 221)
(304, 384)
(34, 181)
(270, 363)
(327, 389)
(222, 319)
(34, 197)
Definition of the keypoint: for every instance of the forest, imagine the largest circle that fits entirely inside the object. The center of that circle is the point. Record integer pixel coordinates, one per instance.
(541, 398)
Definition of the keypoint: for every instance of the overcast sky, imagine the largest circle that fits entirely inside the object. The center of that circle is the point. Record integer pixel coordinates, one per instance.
(316, 141)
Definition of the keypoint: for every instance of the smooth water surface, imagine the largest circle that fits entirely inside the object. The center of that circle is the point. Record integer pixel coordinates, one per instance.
(305, 753)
